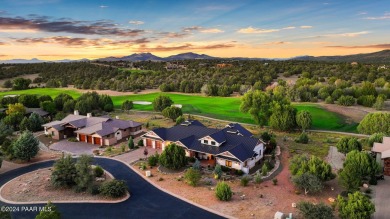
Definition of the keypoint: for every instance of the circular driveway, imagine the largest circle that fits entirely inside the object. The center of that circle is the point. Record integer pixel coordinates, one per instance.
(146, 201)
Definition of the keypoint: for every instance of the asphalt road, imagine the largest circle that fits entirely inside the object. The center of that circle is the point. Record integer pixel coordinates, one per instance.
(146, 201)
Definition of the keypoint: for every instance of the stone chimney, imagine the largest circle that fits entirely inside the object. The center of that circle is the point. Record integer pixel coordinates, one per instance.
(89, 115)
(76, 112)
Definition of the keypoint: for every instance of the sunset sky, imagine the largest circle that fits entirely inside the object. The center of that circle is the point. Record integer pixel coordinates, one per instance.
(70, 29)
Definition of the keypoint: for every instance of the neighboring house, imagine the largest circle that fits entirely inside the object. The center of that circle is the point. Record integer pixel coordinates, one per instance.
(95, 130)
(382, 154)
(232, 146)
(38, 111)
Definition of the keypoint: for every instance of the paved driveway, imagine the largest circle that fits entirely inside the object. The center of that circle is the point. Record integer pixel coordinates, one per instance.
(146, 201)
(75, 148)
(382, 194)
(136, 154)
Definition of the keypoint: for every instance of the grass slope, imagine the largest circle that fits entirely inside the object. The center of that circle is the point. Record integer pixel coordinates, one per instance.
(225, 108)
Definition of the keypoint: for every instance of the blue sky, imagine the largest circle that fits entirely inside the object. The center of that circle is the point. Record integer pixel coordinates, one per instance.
(54, 29)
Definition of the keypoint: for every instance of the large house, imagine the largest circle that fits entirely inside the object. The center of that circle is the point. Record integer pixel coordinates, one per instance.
(95, 130)
(233, 146)
(382, 154)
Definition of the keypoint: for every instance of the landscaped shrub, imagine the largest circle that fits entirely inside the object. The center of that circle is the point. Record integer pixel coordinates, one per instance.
(140, 143)
(153, 160)
(217, 171)
(244, 181)
(315, 211)
(258, 178)
(303, 138)
(192, 176)
(223, 191)
(114, 188)
(173, 157)
(98, 171)
(94, 190)
(275, 181)
(196, 165)
(264, 170)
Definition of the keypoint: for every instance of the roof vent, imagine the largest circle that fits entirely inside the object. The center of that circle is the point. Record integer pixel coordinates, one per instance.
(76, 112)
(186, 123)
(232, 132)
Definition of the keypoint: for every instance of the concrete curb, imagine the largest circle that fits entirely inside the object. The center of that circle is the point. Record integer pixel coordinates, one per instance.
(175, 195)
(61, 201)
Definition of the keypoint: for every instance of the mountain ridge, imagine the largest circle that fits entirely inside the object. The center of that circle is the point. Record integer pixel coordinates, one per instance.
(375, 57)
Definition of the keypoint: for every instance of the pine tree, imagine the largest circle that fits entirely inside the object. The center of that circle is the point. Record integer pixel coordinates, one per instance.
(26, 146)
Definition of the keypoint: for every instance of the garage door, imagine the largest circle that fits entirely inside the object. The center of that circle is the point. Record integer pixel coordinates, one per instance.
(148, 142)
(89, 140)
(97, 140)
(82, 138)
(158, 144)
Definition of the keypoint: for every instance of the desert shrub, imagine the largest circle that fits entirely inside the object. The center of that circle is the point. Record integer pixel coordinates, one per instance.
(315, 211)
(275, 181)
(114, 188)
(153, 160)
(346, 100)
(258, 178)
(329, 100)
(98, 170)
(192, 176)
(244, 181)
(223, 191)
(264, 170)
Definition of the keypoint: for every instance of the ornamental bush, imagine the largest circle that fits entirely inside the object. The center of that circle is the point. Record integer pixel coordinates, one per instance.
(223, 191)
(192, 176)
(98, 171)
(173, 157)
(114, 188)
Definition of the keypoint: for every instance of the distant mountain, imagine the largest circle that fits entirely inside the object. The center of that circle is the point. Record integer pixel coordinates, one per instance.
(133, 58)
(35, 60)
(375, 57)
(189, 55)
(20, 61)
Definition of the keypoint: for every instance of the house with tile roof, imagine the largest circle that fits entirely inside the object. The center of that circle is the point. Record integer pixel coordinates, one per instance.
(382, 154)
(102, 131)
(233, 146)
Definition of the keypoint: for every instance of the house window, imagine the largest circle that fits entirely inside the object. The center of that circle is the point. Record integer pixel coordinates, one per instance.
(124, 130)
(52, 133)
(228, 163)
(212, 142)
(118, 133)
(205, 141)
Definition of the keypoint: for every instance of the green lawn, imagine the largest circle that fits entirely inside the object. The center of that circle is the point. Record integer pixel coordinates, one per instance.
(226, 108)
(53, 92)
(323, 119)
